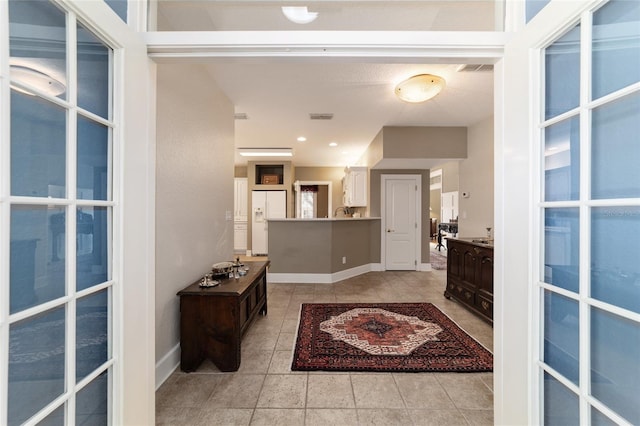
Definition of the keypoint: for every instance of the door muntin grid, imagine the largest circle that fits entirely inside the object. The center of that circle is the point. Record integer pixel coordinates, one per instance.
(61, 219)
(589, 286)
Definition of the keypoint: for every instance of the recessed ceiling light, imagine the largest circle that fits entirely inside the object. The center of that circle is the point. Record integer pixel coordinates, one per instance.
(299, 14)
(301, 139)
(333, 144)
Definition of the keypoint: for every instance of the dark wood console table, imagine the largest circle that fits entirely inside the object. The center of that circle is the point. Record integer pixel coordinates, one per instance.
(213, 320)
(470, 276)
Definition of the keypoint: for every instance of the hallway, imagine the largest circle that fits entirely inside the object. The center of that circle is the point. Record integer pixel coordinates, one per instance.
(266, 392)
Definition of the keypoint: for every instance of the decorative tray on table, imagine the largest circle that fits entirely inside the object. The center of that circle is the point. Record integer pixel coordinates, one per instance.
(207, 282)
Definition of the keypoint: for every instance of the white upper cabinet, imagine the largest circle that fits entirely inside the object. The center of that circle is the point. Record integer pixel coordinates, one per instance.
(354, 187)
(240, 196)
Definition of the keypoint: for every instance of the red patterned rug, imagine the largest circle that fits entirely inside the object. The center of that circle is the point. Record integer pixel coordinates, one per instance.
(400, 337)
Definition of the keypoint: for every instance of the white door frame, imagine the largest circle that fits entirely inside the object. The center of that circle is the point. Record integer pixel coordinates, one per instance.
(517, 390)
(133, 309)
(418, 216)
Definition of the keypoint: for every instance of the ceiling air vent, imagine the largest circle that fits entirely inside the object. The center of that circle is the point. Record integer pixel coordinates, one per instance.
(475, 67)
(241, 116)
(321, 115)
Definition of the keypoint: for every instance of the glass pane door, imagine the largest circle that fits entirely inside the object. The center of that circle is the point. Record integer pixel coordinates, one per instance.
(60, 226)
(589, 282)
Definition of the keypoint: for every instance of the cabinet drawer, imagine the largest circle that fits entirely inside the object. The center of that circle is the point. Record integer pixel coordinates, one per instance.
(461, 293)
(485, 306)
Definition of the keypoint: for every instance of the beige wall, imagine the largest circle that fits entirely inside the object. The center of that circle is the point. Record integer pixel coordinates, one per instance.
(322, 201)
(476, 178)
(424, 142)
(436, 202)
(374, 153)
(240, 171)
(194, 188)
(450, 176)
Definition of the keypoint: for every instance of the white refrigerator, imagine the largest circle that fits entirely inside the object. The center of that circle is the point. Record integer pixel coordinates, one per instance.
(265, 205)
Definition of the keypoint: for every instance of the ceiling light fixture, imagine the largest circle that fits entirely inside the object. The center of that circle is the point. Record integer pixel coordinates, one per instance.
(301, 139)
(420, 88)
(299, 14)
(38, 80)
(333, 144)
(265, 152)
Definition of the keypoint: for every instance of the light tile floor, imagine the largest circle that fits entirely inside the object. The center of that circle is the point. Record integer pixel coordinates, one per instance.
(264, 391)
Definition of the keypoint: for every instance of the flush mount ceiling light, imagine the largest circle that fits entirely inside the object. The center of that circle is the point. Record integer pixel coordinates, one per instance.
(301, 139)
(265, 152)
(299, 14)
(420, 88)
(333, 144)
(36, 79)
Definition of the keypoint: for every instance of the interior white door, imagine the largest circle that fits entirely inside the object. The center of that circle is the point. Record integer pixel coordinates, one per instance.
(400, 222)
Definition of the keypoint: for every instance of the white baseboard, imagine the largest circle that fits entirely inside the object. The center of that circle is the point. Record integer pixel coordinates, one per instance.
(377, 267)
(276, 277)
(425, 267)
(350, 273)
(298, 278)
(167, 365)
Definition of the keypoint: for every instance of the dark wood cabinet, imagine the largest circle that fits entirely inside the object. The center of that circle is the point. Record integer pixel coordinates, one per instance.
(213, 320)
(470, 276)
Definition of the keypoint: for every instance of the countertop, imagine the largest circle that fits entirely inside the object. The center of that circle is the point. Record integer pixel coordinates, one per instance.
(322, 219)
(478, 241)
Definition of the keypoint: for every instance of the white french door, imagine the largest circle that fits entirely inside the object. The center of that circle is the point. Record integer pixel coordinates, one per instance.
(60, 226)
(572, 204)
(65, 357)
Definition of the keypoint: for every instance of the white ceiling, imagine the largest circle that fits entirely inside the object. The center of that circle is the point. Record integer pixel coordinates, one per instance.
(278, 96)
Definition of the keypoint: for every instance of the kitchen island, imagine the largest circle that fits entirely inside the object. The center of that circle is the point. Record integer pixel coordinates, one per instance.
(323, 250)
(470, 274)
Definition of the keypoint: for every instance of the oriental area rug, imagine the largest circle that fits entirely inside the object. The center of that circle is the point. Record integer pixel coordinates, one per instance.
(392, 337)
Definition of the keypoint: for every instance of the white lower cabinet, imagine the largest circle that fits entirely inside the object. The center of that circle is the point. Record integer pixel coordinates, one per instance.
(240, 236)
